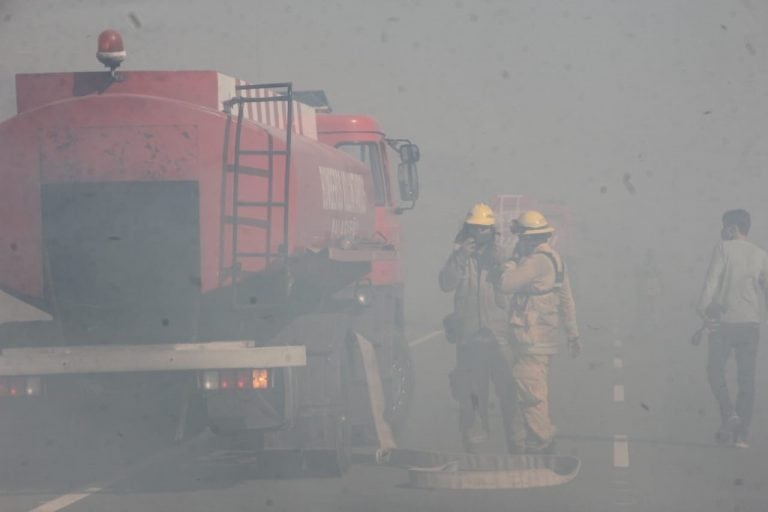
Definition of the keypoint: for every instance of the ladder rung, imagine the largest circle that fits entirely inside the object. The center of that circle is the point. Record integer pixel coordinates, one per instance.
(257, 254)
(242, 99)
(248, 221)
(277, 204)
(262, 152)
(251, 171)
(273, 85)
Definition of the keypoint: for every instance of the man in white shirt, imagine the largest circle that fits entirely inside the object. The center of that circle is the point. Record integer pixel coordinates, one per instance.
(737, 276)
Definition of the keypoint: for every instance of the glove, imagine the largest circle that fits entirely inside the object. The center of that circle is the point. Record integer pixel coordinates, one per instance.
(574, 347)
(468, 247)
(494, 275)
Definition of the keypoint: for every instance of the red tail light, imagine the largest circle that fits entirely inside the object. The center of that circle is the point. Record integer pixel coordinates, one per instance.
(212, 380)
(20, 386)
(243, 379)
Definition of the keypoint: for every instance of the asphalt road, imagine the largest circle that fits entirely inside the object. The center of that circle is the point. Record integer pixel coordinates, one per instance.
(634, 409)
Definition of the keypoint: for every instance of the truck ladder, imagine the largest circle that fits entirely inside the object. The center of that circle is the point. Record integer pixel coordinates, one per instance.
(273, 93)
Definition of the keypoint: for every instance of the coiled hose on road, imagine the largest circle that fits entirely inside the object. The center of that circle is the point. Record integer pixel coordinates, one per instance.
(437, 470)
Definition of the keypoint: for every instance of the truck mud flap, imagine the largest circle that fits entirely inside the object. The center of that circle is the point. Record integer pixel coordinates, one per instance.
(437, 470)
(375, 392)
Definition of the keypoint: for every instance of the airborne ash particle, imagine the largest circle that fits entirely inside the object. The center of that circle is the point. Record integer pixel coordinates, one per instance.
(628, 184)
(135, 20)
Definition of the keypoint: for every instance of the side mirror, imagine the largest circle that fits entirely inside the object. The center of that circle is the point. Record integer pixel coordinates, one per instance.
(408, 179)
(409, 153)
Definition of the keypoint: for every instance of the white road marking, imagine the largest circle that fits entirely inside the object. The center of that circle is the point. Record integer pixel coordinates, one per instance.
(66, 500)
(618, 392)
(620, 451)
(621, 443)
(419, 341)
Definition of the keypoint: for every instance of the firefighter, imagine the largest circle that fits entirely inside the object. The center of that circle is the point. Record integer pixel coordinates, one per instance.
(477, 324)
(730, 303)
(541, 303)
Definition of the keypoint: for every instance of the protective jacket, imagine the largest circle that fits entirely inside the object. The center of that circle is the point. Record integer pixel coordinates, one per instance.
(541, 301)
(478, 300)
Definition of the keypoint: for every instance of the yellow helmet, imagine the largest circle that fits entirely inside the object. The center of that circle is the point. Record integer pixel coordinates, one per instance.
(481, 215)
(531, 222)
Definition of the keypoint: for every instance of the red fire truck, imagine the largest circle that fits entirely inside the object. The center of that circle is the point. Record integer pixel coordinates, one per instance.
(188, 230)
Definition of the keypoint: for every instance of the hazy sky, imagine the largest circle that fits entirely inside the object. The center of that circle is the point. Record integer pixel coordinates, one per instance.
(559, 100)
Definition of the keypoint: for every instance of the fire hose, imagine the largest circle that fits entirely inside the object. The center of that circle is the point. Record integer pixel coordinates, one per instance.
(438, 470)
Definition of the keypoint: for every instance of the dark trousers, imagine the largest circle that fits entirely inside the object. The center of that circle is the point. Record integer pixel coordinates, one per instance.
(470, 385)
(477, 366)
(742, 339)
